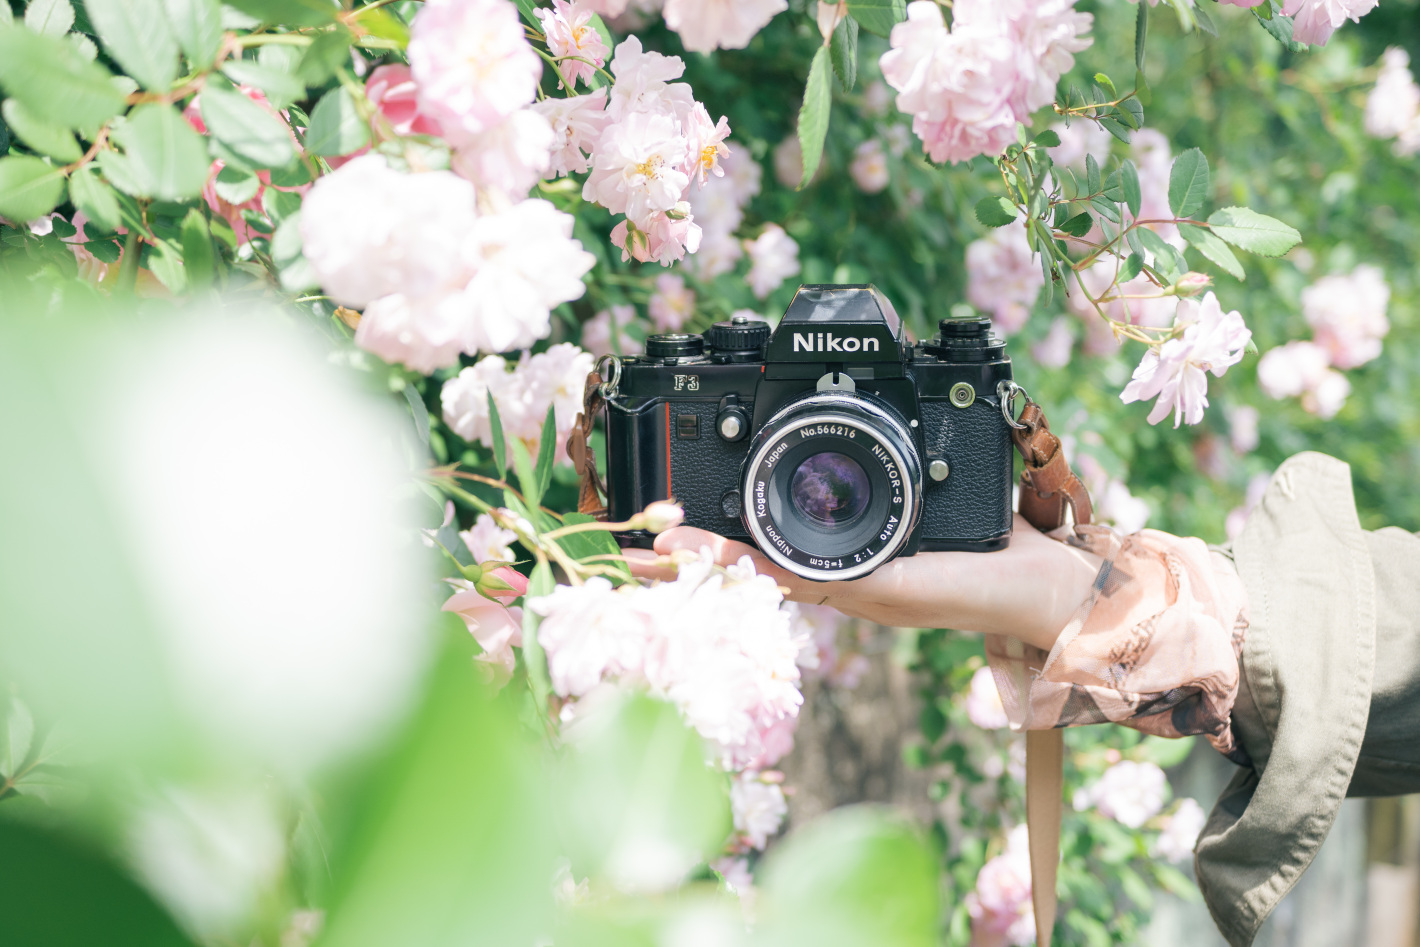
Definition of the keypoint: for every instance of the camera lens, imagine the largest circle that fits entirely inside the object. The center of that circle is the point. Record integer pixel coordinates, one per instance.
(832, 485)
(830, 488)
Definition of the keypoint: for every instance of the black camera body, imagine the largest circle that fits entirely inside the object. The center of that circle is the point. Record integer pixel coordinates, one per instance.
(831, 442)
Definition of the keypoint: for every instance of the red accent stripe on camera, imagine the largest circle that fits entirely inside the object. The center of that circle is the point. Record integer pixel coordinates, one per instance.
(669, 492)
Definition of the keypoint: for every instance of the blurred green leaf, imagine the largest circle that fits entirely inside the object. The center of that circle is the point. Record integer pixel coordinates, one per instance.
(1092, 171)
(639, 805)
(995, 211)
(1047, 139)
(540, 583)
(281, 87)
(249, 130)
(1115, 129)
(451, 846)
(328, 52)
(527, 478)
(813, 114)
(336, 126)
(136, 34)
(1133, 266)
(292, 13)
(857, 875)
(1164, 752)
(1257, 233)
(54, 81)
(165, 262)
(1189, 183)
(197, 26)
(95, 198)
(45, 875)
(380, 22)
(44, 137)
(197, 256)
(878, 16)
(49, 17)
(1208, 244)
(18, 736)
(1279, 27)
(29, 187)
(843, 48)
(7, 17)
(163, 157)
(236, 185)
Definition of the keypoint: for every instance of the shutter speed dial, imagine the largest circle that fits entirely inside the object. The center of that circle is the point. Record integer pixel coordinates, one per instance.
(738, 336)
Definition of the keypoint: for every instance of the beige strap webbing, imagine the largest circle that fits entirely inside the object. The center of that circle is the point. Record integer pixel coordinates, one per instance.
(1045, 763)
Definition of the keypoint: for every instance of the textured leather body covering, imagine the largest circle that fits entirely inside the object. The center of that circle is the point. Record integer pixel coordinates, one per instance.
(704, 469)
(974, 503)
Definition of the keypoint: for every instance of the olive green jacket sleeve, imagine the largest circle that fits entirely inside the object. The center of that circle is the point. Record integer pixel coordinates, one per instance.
(1329, 699)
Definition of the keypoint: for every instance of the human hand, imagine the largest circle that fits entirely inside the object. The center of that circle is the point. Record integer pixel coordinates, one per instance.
(1029, 590)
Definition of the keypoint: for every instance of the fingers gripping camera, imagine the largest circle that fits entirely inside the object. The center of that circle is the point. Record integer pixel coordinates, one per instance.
(831, 443)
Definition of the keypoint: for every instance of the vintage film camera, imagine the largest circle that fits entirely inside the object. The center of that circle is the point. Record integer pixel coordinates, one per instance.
(831, 443)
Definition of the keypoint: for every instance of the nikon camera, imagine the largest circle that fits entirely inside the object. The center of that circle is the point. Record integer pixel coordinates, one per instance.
(831, 442)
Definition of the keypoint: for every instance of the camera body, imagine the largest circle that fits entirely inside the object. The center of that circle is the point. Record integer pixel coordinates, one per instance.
(831, 442)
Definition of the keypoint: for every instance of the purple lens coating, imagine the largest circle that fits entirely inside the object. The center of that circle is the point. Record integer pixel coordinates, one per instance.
(830, 488)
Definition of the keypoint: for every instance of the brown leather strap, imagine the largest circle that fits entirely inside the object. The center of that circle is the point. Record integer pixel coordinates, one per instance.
(1048, 486)
(589, 497)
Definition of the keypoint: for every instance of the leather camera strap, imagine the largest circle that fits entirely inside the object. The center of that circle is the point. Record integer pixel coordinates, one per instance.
(591, 494)
(1048, 486)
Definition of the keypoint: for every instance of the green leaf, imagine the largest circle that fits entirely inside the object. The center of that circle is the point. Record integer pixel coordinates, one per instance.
(527, 475)
(328, 52)
(526, 8)
(636, 781)
(197, 256)
(855, 875)
(136, 34)
(249, 130)
(53, 140)
(18, 736)
(1141, 34)
(1205, 22)
(1092, 173)
(288, 12)
(1279, 28)
(453, 843)
(49, 17)
(1167, 259)
(236, 185)
(1133, 266)
(163, 157)
(878, 16)
(52, 79)
(419, 412)
(1106, 209)
(843, 49)
(995, 211)
(165, 263)
(546, 451)
(94, 198)
(281, 87)
(1106, 84)
(377, 21)
(280, 205)
(1115, 129)
(1257, 233)
(581, 546)
(197, 27)
(500, 449)
(540, 583)
(813, 114)
(1079, 225)
(1188, 183)
(1129, 183)
(29, 188)
(336, 126)
(1047, 139)
(1130, 112)
(1207, 243)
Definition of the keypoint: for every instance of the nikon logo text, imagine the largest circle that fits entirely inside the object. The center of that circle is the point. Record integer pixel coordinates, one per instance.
(832, 342)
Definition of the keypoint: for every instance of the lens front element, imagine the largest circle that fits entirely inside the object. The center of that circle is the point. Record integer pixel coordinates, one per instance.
(830, 489)
(832, 486)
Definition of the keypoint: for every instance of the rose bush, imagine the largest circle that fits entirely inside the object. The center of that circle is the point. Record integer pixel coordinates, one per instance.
(473, 199)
